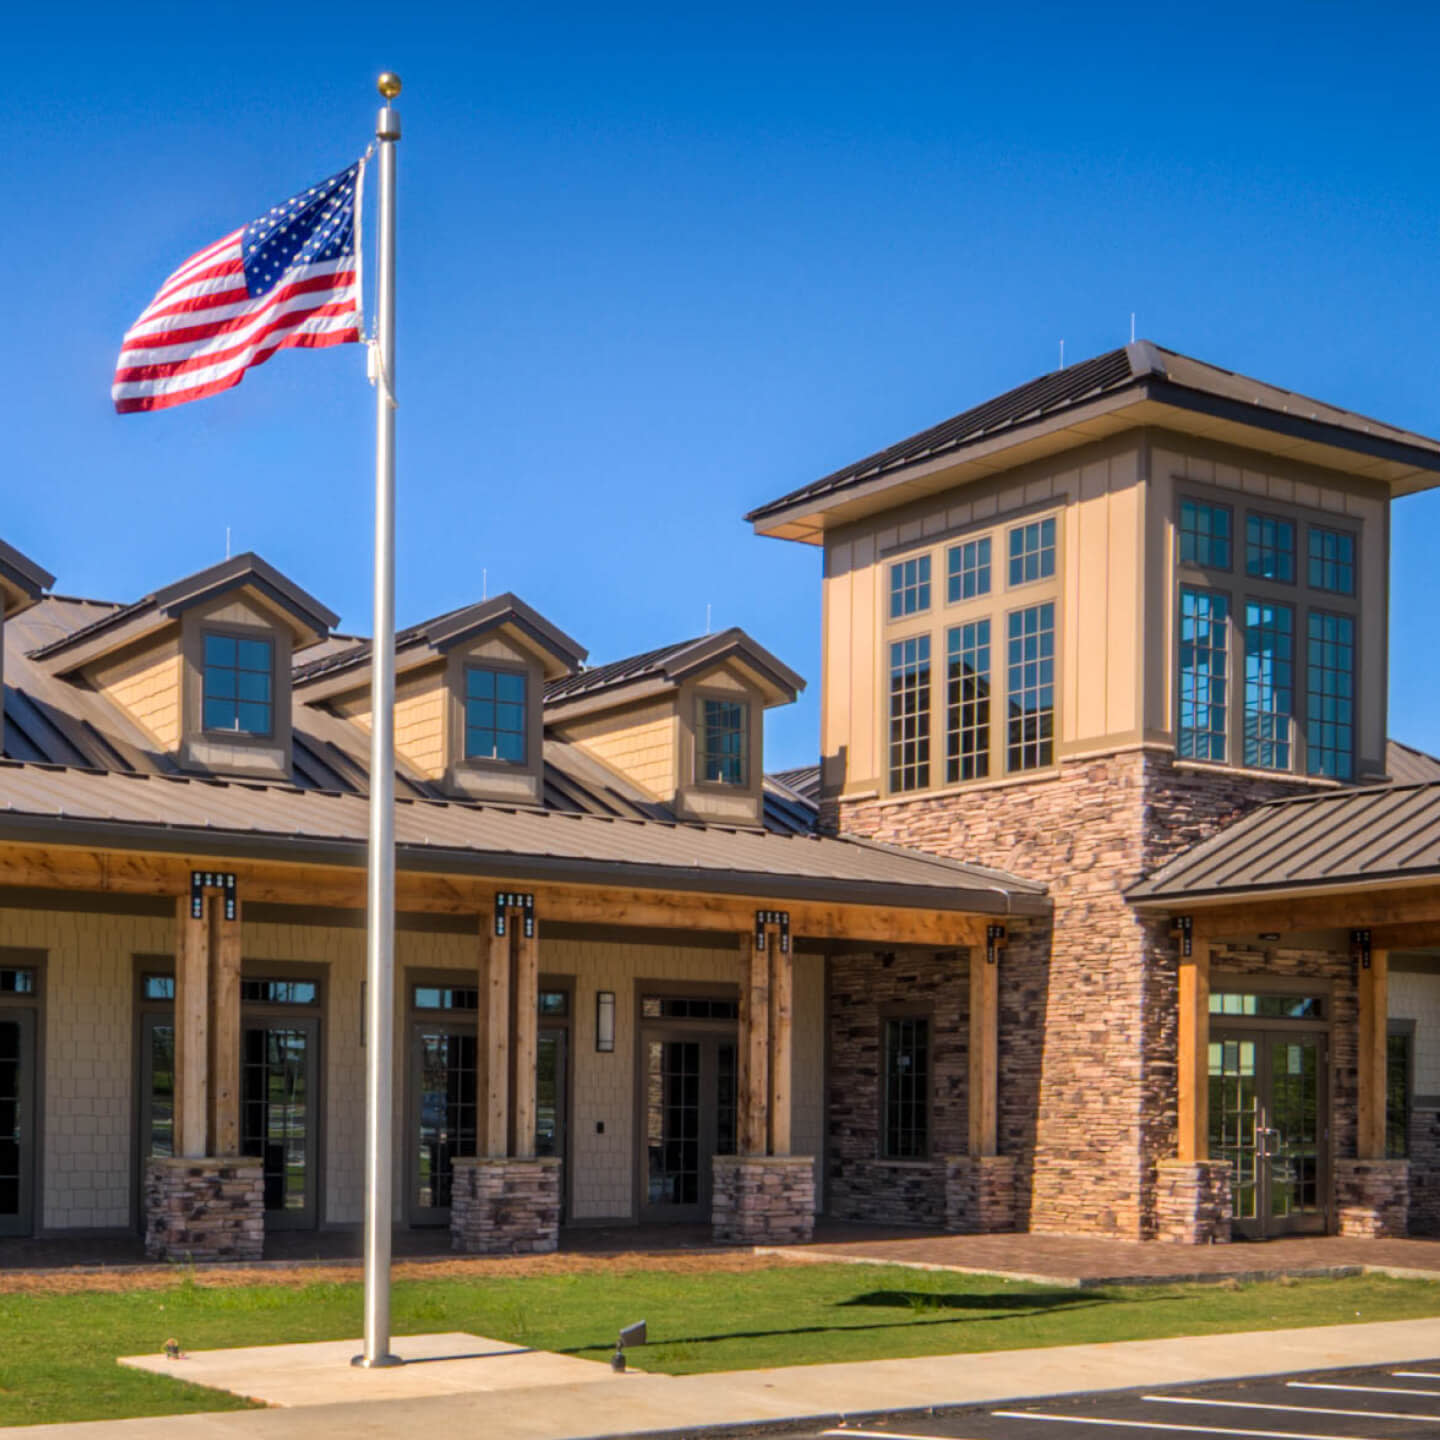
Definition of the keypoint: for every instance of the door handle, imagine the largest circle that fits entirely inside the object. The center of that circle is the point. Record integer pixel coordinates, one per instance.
(1262, 1142)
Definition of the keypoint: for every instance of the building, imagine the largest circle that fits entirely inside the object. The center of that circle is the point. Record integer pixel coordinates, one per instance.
(1109, 910)
(1123, 630)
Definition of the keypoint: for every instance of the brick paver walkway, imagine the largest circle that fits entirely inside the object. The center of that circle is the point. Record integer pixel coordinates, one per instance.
(1071, 1260)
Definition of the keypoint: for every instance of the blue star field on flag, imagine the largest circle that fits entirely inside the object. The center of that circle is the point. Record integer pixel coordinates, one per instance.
(317, 224)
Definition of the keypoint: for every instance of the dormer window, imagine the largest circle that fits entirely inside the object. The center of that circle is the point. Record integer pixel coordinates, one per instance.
(238, 685)
(495, 711)
(724, 730)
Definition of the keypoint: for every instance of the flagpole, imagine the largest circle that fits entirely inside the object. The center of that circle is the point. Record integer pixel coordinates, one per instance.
(380, 935)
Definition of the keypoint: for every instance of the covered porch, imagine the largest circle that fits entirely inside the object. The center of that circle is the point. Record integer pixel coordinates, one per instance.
(1307, 965)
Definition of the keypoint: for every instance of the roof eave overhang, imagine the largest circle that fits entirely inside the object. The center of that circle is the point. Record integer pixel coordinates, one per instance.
(22, 581)
(177, 840)
(1399, 467)
(1172, 901)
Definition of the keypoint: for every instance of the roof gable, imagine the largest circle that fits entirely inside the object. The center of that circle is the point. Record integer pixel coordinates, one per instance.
(22, 581)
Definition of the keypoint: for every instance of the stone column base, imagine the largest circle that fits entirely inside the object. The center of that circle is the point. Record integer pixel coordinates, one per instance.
(205, 1208)
(504, 1206)
(1373, 1198)
(979, 1193)
(764, 1199)
(1194, 1203)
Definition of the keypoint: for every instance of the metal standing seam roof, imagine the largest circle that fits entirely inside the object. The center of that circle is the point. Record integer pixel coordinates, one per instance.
(1140, 363)
(42, 802)
(1339, 838)
(1406, 765)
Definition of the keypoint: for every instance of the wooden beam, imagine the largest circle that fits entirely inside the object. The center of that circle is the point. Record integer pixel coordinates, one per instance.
(527, 1032)
(782, 1043)
(492, 1060)
(1369, 909)
(753, 1127)
(1193, 1052)
(192, 1047)
(225, 947)
(60, 867)
(984, 1052)
(1374, 997)
(1421, 935)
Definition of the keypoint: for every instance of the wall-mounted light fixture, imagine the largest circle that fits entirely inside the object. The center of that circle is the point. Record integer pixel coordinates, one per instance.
(605, 1021)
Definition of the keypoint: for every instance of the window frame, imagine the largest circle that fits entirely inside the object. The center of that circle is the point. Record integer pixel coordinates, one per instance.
(1275, 517)
(1349, 532)
(955, 572)
(1184, 497)
(702, 698)
(1314, 612)
(255, 635)
(901, 1015)
(1007, 770)
(1018, 527)
(1226, 677)
(926, 712)
(954, 732)
(467, 663)
(923, 586)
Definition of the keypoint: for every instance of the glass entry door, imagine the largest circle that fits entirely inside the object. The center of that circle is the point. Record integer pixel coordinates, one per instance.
(687, 1100)
(278, 1114)
(1269, 1116)
(443, 1098)
(550, 1100)
(17, 1120)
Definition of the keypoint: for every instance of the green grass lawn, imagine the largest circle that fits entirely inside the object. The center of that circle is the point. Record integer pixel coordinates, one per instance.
(57, 1351)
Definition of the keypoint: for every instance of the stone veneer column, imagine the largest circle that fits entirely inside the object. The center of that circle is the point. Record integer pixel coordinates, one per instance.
(504, 1206)
(1194, 1203)
(204, 1209)
(979, 1193)
(764, 1199)
(1373, 1198)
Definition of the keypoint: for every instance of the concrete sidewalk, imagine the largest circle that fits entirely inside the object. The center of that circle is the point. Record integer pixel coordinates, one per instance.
(691, 1404)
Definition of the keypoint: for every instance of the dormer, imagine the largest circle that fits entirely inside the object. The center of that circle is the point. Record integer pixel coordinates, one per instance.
(468, 696)
(203, 666)
(685, 723)
(22, 582)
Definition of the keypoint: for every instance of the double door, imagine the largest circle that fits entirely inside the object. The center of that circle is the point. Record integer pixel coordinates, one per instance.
(279, 1106)
(18, 1116)
(1270, 1118)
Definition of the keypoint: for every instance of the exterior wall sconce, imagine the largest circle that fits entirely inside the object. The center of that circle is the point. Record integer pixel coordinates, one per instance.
(605, 1021)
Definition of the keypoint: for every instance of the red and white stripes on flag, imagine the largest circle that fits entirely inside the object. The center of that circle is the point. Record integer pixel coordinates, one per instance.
(290, 278)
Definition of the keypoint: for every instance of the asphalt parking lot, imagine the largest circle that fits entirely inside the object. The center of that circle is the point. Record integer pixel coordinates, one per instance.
(1391, 1403)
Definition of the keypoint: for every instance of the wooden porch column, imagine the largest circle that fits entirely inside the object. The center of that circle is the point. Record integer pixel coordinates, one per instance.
(192, 1017)
(1193, 1051)
(1374, 999)
(493, 1039)
(782, 1042)
(527, 1031)
(984, 1050)
(753, 1125)
(224, 936)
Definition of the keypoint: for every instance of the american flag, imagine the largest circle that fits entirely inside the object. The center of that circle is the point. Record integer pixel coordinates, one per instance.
(289, 278)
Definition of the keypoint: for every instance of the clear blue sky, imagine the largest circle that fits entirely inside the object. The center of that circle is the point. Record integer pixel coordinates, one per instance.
(658, 268)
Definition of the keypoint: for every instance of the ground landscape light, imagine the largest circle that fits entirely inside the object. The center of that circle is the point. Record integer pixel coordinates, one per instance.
(630, 1335)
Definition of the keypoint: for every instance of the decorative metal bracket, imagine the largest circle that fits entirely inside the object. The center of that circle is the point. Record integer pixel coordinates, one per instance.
(779, 918)
(1185, 929)
(515, 900)
(1360, 948)
(221, 880)
(994, 943)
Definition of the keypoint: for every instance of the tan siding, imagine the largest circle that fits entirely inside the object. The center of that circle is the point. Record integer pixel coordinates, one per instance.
(147, 686)
(420, 725)
(640, 742)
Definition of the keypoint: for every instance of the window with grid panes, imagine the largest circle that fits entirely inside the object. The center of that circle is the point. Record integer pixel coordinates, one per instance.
(1204, 672)
(1032, 552)
(1205, 534)
(1398, 1047)
(1330, 695)
(1270, 548)
(1269, 683)
(910, 713)
(905, 1131)
(494, 715)
(723, 727)
(968, 570)
(967, 702)
(1330, 559)
(1030, 688)
(236, 684)
(909, 586)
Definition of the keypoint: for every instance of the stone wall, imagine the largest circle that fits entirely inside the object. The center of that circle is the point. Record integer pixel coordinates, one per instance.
(1193, 1202)
(504, 1206)
(863, 990)
(204, 1209)
(1373, 1197)
(979, 1194)
(763, 1200)
(1088, 1029)
(1424, 1172)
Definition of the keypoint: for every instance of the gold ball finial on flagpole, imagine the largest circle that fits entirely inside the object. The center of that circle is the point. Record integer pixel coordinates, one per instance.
(388, 84)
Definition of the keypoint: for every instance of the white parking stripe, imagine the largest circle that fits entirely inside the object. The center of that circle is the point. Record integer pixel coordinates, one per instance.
(884, 1435)
(1417, 1374)
(1294, 1409)
(1166, 1425)
(1361, 1389)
